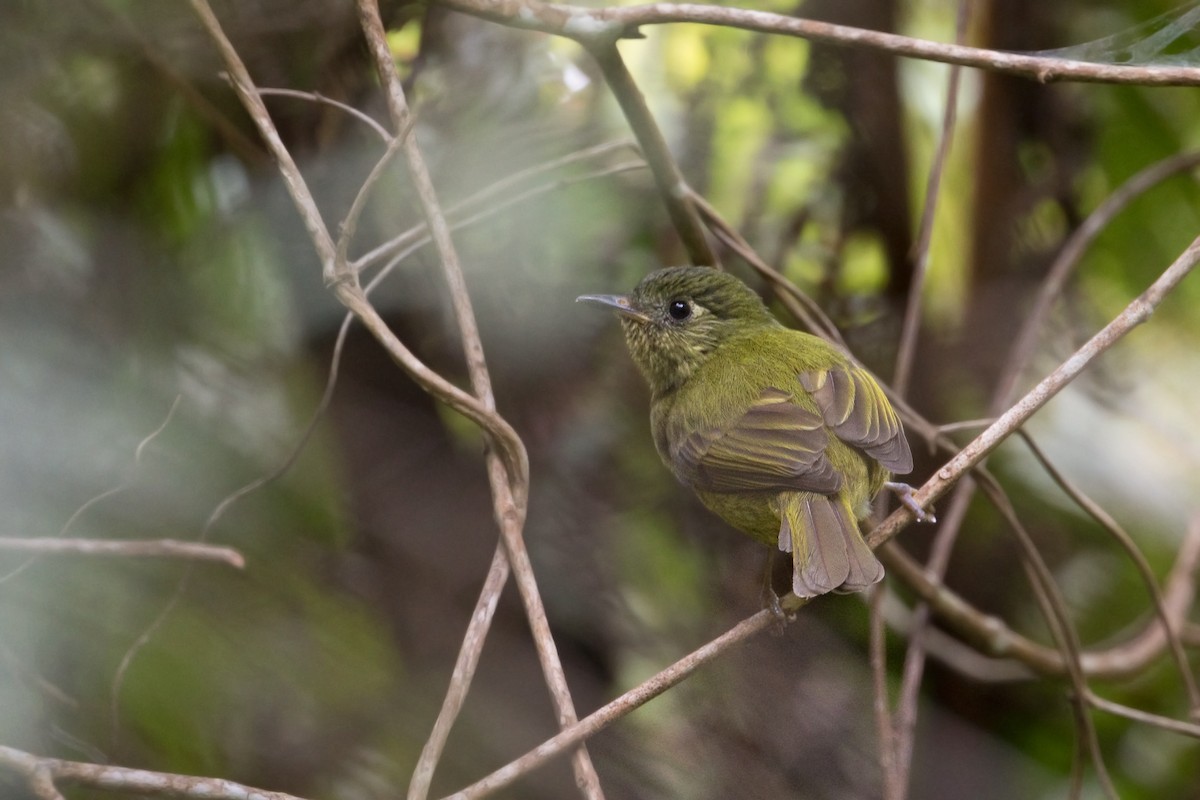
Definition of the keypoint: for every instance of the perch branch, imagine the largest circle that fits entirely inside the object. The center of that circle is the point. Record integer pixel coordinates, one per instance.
(1134, 314)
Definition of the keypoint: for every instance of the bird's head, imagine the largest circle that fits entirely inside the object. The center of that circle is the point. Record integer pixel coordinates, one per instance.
(676, 318)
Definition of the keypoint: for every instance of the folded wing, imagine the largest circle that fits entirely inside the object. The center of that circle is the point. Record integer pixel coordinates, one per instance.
(858, 413)
(776, 445)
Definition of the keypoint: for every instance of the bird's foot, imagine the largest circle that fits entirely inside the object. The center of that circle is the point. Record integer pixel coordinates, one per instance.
(767, 596)
(770, 601)
(905, 494)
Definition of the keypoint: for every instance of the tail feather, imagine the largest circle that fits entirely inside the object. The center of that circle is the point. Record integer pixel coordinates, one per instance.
(828, 551)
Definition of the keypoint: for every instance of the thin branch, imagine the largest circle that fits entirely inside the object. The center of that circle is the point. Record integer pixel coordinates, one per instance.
(914, 659)
(991, 636)
(460, 679)
(605, 25)
(1049, 292)
(799, 304)
(1102, 517)
(418, 236)
(499, 432)
(214, 517)
(345, 285)
(906, 353)
(1134, 314)
(1165, 723)
(350, 224)
(666, 172)
(317, 97)
(953, 652)
(1062, 630)
(893, 788)
(499, 187)
(125, 483)
(987, 633)
(133, 548)
(241, 144)
(243, 86)
(509, 490)
(1068, 259)
(42, 773)
(603, 717)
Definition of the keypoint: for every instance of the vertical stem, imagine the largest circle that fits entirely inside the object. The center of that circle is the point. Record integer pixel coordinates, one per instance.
(905, 721)
(667, 177)
(907, 353)
(509, 492)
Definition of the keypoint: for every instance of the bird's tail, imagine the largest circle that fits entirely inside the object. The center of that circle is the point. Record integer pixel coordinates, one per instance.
(828, 551)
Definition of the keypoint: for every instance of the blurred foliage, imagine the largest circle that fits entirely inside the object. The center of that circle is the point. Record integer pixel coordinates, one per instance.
(149, 252)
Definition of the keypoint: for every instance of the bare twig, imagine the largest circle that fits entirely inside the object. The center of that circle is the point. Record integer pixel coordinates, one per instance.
(41, 775)
(243, 85)
(1068, 259)
(345, 285)
(914, 659)
(460, 679)
(634, 698)
(350, 223)
(134, 548)
(605, 25)
(1093, 509)
(893, 789)
(509, 489)
(1023, 348)
(1062, 630)
(317, 97)
(953, 652)
(799, 305)
(217, 514)
(906, 353)
(500, 187)
(670, 182)
(990, 635)
(125, 483)
(1165, 723)
(1134, 314)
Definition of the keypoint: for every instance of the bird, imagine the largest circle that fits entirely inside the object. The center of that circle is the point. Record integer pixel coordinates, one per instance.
(777, 431)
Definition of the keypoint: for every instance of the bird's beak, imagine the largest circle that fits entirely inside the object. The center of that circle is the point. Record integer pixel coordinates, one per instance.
(617, 302)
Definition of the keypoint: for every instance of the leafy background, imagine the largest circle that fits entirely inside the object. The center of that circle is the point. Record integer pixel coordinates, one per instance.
(148, 253)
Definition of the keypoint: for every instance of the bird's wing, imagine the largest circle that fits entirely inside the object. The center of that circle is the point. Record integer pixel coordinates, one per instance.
(775, 445)
(858, 413)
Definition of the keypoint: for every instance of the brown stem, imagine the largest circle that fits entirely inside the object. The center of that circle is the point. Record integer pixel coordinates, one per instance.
(42, 773)
(991, 636)
(1137, 312)
(671, 186)
(608, 24)
(130, 548)
(614, 710)
(509, 491)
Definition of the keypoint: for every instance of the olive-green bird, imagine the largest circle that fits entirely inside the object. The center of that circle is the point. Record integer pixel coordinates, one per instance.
(777, 431)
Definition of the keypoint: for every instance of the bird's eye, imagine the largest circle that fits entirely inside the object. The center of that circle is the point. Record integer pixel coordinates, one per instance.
(679, 310)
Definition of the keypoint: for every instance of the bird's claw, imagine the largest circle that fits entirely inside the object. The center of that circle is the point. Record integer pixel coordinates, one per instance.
(905, 494)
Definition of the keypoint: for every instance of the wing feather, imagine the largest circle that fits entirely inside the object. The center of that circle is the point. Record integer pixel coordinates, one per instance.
(858, 413)
(775, 445)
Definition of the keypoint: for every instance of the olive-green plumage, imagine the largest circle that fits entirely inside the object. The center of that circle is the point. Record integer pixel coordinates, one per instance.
(777, 431)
